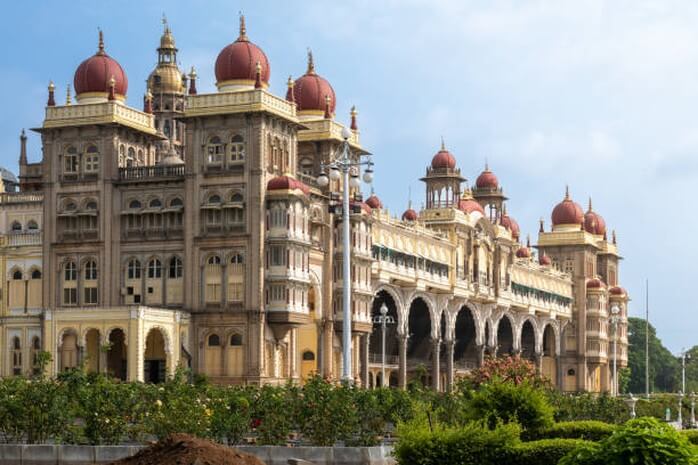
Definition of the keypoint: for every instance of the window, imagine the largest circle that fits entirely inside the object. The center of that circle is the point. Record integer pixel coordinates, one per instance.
(36, 274)
(154, 269)
(236, 340)
(91, 159)
(70, 272)
(36, 348)
(308, 356)
(91, 270)
(70, 296)
(131, 158)
(214, 340)
(237, 149)
(122, 155)
(90, 295)
(32, 225)
(214, 260)
(214, 199)
(16, 226)
(306, 166)
(213, 215)
(134, 269)
(176, 202)
(215, 151)
(212, 278)
(175, 268)
(17, 275)
(134, 205)
(236, 198)
(277, 256)
(70, 161)
(155, 203)
(16, 356)
(70, 206)
(236, 278)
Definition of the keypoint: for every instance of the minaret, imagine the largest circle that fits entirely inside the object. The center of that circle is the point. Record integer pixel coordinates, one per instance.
(167, 84)
(443, 180)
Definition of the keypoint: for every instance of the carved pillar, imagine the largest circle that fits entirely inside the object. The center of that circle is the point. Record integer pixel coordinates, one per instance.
(450, 344)
(560, 378)
(364, 360)
(435, 362)
(402, 348)
(481, 350)
(538, 361)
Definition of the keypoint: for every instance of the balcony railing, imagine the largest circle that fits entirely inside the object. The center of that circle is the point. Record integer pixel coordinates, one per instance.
(25, 238)
(20, 197)
(390, 360)
(156, 172)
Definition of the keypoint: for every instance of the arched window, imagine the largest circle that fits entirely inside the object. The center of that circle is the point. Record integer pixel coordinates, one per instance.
(213, 213)
(214, 340)
(36, 349)
(91, 206)
(154, 268)
(215, 151)
(176, 202)
(16, 226)
(237, 149)
(70, 272)
(16, 356)
(308, 356)
(70, 277)
(131, 157)
(237, 197)
(90, 285)
(236, 340)
(36, 274)
(214, 260)
(91, 159)
(70, 161)
(175, 268)
(17, 275)
(134, 205)
(134, 269)
(214, 199)
(70, 206)
(213, 280)
(236, 278)
(122, 155)
(32, 225)
(141, 158)
(91, 270)
(155, 203)
(307, 166)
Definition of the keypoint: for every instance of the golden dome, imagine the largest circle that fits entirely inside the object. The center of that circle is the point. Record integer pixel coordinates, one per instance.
(167, 40)
(166, 78)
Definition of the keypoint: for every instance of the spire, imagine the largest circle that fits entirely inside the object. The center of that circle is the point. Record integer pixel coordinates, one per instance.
(100, 45)
(258, 76)
(243, 30)
(541, 228)
(487, 165)
(51, 98)
(290, 97)
(166, 27)
(22, 148)
(409, 197)
(311, 63)
(112, 84)
(443, 144)
(68, 99)
(192, 81)
(613, 236)
(589, 203)
(567, 192)
(328, 101)
(528, 241)
(354, 126)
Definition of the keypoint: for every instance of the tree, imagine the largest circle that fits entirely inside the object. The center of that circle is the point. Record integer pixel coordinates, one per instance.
(664, 367)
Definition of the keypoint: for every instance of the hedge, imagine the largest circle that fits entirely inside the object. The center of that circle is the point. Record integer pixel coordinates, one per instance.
(692, 435)
(589, 429)
(543, 452)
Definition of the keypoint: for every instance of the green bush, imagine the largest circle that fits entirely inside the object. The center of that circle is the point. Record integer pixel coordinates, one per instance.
(586, 406)
(691, 435)
(645, 441)
(590, 430)
(499, 402)
(471, 444)
(543, 452)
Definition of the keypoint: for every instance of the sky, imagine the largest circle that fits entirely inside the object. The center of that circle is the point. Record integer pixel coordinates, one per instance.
(598, 95)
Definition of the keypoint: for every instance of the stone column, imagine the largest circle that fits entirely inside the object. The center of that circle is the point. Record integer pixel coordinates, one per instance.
(402, 348)
(560, 378)
(435, 362)
(364, 360)
(450, 345)
(481, 350)
(538, 361)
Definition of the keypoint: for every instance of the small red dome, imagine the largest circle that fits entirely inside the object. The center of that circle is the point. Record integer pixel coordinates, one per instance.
(510, 223)
(238, 61)
(94, 74)
(617, 290)
(311, 90)
(443, 160)
(286, 183)
(523, 252)
(544, 260)
(409, 215)
(470, 206)
(487, 180)
(364, 206)
(374, 202)
(595, 283)
(594, 223)
(567, 212)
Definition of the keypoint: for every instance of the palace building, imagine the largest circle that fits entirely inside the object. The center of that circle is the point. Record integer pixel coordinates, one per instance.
(191, 231)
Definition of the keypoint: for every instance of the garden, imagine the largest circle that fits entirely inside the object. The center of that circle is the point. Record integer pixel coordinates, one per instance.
(503, 413)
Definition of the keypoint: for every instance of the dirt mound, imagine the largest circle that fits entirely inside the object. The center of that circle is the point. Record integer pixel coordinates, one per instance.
(183, 449)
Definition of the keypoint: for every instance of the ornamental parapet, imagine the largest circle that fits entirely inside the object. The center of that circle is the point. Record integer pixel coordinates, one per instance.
(20, 197)
(239, 102)
(99, 113)
(327, 129)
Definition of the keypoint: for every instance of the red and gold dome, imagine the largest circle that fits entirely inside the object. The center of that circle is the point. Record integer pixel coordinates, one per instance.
(374, 202)
(510, 223)
(523, 252)
(443, 159)
(617, 291)
(487, 180)
(409, 215)
(236, 65)
(544, 260)
(95, 76)
(593, 222)
(312, 93)
(595, 283)
(280, 183)
(567, 212)
(468, 204)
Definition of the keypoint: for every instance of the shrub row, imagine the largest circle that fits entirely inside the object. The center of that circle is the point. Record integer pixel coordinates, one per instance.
(589, 430)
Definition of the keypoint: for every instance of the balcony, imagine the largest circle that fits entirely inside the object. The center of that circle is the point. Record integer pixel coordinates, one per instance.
(151, 173)
(19, 197)
(99, 113)
(24, 238)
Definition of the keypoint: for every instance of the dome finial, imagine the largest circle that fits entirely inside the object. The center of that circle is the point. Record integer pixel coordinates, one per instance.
(243, 29)
(68, 99)
(487, 164)
(289, 95)
(354, 126)
(328, 101)
(542, 225)
(567, 192)
(589, 203)
(409, 197)
(192, 81)
(528, 241)
(100, 46)
(311, 63)
(51, 100)
(443, 144)
(166, 26)
(258, 76)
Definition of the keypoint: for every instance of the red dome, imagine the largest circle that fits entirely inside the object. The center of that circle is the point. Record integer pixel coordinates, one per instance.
(409, 215)
(523, 252)
(595, 283)
(567, 212)
(311, 90)
(510, 223)
(617, 290)
(364, 206)
(94, 74)
(544, 260)
(594, 223)
(487, 180)
(374, 202)
(238, 61)
(443, 159)
(470, 206)
(286, 183)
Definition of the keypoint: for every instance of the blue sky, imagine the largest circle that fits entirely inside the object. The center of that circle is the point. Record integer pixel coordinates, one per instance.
(600, 95)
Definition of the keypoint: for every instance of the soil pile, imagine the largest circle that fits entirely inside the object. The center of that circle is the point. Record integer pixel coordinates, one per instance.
(183, 449)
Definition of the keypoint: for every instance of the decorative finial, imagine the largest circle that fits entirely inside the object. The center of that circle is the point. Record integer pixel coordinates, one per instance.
(148, 102)
(243, 29)
(51, 99)
(541, 228)
(164, 23)
(613, 236)
(567, 192)
(487, 165)
(328, 101)
(311, 62)
(100, 46)
(112, 85)
(22, 148)
(409, 197)
(192, 81)
(354, 126)
(258, 76)
(589, 203)
(528, 241)
(68, 99)
(289, 95)
(443, 144)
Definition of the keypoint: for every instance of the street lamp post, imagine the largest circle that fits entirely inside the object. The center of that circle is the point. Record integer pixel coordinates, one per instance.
(615, 318)
(693, 410)
(347, 165)
(383, 319)
(679, 419)
(684, 355)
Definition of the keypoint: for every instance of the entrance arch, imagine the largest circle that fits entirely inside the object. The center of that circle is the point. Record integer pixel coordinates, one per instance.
(69, 350)
(549, 354)
(528, 341)
(419, 346)
(391, 336)
(155, 357)
(93, 350)
(505, 337)
(465, 353)
(117, 356)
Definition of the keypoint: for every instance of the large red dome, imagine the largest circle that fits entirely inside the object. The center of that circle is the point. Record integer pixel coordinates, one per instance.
(510, 223)
(311, 90)
(93, 75)
(469, 205)
(594, 223)
(237, 62)
(487, 180)
(409, 215)
(374, 202)
(567, 212)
